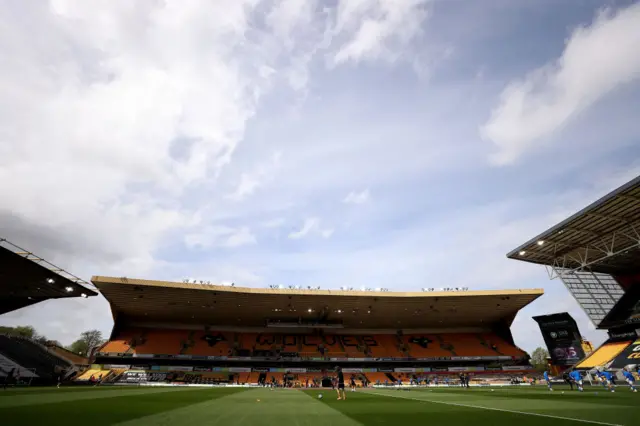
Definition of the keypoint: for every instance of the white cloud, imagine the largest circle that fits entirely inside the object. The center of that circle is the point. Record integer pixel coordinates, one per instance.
(241, 237)
(274, 223)
(117, 110)
(117, 119)
(326, 233)
(357, 197)
(376, 29)
(249, 182)
(597, 60)
(220, 236)
(289, 19)
(311, 226)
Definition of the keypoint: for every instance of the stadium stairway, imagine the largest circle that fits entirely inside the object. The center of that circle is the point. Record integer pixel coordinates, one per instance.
(444, 345)
(85, 376)
(488, 344)
(67, 355)
(373, 378)
(390, 377)
(188, 343)
(7, 366)
(32, 355)
(504, 347)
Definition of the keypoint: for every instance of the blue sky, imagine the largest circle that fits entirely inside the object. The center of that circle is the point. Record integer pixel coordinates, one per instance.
(401, 144)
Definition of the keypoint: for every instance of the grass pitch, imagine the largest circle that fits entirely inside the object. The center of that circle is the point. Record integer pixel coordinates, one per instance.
(144, 406)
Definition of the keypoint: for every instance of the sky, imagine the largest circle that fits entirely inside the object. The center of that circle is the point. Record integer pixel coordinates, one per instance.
(381, 143)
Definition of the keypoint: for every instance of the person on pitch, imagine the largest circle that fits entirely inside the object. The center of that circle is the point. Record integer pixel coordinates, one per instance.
(340, 388)
(548, 380)
(576, 378)
(628, 376)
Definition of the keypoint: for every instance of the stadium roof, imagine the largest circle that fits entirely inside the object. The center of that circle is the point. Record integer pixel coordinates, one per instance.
(26, 279)
(603, 237)
(144, 300)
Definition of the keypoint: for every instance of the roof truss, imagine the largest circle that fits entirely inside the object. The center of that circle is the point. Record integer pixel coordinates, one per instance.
(604, 237)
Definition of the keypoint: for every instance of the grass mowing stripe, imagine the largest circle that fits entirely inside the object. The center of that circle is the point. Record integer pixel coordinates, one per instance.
(107, 411)
(196, 414)
(590, 395)
(65, 389)
(479, 407)
(54, 397)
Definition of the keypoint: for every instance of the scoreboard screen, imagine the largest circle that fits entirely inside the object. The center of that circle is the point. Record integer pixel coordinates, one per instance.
(562, 337)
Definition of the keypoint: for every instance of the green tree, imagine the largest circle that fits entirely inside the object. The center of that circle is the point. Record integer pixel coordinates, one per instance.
(539, 358)
(24, 331)
(87, 340)
(79, 347)
(21, 330)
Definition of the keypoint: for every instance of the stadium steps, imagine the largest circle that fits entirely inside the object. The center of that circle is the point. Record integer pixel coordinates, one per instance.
(7, 366)
(487, 345)
(368, 352)
(341, 345)
(375, 377)
(362, 379)
(185, 345)
(401, 346)
(390, 377)
(262, 378)
(84, 377)
(116, 375)
(136, 341)
(32, 355)
(67, 355)
(244, 378)
(603, 355)
(446, 346)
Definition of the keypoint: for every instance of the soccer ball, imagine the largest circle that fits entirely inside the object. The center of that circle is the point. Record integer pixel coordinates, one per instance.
(320, 396)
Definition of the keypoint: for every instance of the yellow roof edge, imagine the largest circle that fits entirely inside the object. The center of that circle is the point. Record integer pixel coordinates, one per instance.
(100, 281)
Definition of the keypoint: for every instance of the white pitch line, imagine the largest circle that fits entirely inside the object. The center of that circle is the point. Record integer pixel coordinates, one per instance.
(479, 407)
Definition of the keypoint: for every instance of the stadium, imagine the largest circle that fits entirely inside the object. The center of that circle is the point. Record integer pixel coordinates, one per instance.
(596, 254)
(194, 352)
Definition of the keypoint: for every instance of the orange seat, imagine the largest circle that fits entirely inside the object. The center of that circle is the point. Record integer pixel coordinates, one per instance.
(162, 342)
(214, 343)
(218, 345)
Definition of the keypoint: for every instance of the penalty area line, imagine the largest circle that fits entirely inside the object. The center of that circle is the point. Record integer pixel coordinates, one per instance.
(480, 407)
